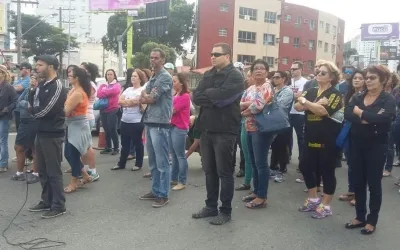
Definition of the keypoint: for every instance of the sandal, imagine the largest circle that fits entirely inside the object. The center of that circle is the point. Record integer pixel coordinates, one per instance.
(249, 198)
(83, 182)
(366, 231)
(346, 197)
(253, 205)
(351, 225)
(69, 189)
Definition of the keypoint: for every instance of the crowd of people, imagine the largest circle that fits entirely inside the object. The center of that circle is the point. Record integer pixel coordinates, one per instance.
(337, 114)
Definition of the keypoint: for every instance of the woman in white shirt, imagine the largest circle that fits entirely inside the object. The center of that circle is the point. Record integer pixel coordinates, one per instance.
(131, 125)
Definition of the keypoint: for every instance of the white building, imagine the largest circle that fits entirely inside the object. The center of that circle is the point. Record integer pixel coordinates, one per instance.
(84, 25)
(370, 50)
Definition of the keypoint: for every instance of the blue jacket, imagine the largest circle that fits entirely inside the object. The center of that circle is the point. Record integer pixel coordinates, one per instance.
(23, 104)
(160, 88)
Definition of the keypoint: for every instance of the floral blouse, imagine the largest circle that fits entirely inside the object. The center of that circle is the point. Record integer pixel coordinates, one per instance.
(258, 96)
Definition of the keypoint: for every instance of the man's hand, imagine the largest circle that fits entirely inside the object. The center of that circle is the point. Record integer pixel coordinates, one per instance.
(246, 113)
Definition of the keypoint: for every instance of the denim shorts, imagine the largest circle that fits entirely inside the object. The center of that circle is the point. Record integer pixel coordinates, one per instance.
(26, 134)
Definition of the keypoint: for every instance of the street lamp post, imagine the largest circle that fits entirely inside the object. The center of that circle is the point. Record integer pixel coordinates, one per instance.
(69, 32)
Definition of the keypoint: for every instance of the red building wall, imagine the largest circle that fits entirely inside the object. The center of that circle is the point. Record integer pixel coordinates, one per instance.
(340, 44)
(302, 31)
(210, 20)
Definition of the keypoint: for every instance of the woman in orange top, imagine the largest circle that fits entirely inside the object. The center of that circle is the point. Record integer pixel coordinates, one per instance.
(78, 139)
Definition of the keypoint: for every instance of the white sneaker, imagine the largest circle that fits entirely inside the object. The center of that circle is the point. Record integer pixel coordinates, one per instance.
(298, 180)
(14, 159)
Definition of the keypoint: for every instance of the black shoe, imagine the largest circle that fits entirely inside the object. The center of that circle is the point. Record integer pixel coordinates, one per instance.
(115, 152)
(365, 231)
(354, 226)
(53, 213)
(204, 213)
(220, 219)
(32, 179)
(106, 151)
(240, 173)
(149, 196)
(39, 207)
(243, 187)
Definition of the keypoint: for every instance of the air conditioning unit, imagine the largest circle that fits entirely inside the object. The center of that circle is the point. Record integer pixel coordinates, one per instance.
(246, 17)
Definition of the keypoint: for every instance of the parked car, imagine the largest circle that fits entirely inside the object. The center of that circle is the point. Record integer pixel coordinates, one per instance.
(100, 81)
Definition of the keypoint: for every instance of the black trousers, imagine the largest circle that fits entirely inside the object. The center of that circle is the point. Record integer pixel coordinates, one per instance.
(48, 156)
(110, 122)
(317, 163)
(217, 161)
(281, 150)
(239, 143)
(131, 133)
(367, 162)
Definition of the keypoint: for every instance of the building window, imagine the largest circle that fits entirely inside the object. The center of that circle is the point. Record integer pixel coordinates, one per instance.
(270, 17)
(286, 39)
(310, 65)
(313, 25)
(320, 44)
(247, 37)
(327, 28)
(269, 39)
(326, 47)
(333, 49)
(298, 20)
(296, 42)
(334, 30)
(288, 18)
(321, 24)
(285, 61)
(223, 32)
(224, 7)
(339, 31)
(248, 14)
(296, 60)
(311, 44)
(246, 59)
(270, 60)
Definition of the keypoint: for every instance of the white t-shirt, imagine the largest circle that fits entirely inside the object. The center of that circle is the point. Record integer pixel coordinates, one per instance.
(92, 99)
(131, 114)
(297, 86)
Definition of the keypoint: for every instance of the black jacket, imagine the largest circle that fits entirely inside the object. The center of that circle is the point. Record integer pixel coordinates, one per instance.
(8, 99)
(47, 103)
(378, 115)
(218, 95)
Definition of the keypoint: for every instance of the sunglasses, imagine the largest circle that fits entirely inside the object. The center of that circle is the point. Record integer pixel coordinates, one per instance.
(322, 73)
(371, 78)
(348, 72)
(216, 54)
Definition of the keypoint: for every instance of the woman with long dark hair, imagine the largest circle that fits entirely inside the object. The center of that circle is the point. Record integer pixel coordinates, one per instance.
(129, 84)
(357, 86)
(370, 114)
(180, 126)
(78, 138)
(109, 118)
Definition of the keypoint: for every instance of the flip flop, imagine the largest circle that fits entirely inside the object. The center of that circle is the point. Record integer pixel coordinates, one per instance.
(346, 197)
(69, 190)
(253, 205)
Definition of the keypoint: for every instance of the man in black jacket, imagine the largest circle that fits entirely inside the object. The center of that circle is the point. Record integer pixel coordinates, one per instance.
(218, 94)
(47, 106)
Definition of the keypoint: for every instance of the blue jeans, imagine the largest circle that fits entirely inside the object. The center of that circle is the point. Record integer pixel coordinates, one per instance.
(179, 161)
(157, 145)
(349, 170)
(390, 151)
(297, 122)
(132, 150)
(74, 159)
(259, 144)
(4, 127)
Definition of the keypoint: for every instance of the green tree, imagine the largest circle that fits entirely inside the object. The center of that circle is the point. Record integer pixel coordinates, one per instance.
(141, 59)
(43, 38)
(347, 53)
(180, 29)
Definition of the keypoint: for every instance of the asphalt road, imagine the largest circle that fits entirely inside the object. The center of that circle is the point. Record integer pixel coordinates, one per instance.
(109, 215)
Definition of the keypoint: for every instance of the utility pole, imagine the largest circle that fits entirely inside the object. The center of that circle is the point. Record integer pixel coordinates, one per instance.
(60, 25)
(19, 25)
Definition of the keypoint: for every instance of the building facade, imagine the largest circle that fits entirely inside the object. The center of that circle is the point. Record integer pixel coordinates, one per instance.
(215, 21)
(275, 31)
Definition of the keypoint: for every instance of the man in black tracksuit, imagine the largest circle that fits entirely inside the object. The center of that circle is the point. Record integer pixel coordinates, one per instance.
(47, 107)
(218, 94)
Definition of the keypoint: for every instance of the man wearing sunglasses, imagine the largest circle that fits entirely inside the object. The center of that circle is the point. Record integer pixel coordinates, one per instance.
(25, 69)
(218, 95)
(344, 86)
